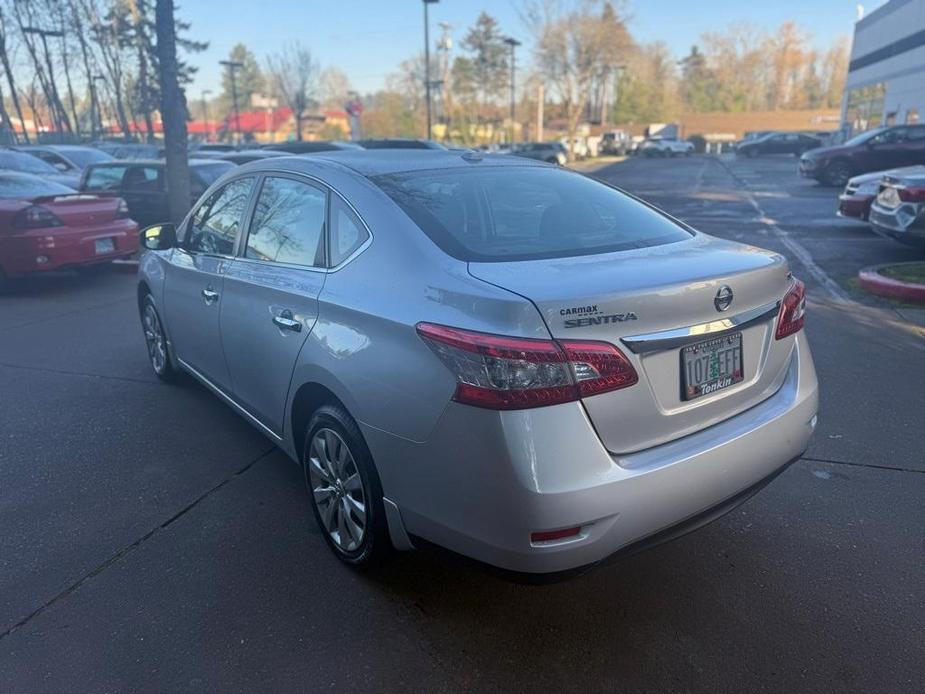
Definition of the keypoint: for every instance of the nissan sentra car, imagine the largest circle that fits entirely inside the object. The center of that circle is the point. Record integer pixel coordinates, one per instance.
(492, 354)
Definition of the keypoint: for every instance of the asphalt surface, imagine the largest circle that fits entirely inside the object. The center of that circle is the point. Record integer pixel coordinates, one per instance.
(151, 540)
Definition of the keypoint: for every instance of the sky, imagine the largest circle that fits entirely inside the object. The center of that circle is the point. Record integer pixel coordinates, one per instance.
(367, 39)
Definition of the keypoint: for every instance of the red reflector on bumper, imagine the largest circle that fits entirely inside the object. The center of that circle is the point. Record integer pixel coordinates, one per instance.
(549, 535)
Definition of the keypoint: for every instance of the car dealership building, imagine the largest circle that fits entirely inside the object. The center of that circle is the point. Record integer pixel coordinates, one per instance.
(886, 75)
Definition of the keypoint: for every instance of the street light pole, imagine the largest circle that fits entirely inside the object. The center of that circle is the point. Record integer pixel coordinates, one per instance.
(233, 66)
(513, 43)
(427, 65)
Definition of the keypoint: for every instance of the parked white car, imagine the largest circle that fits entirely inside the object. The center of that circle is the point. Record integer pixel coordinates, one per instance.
(665, 147)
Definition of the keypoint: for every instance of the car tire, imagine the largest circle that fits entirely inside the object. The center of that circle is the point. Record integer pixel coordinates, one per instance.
(5, 283)
(344, 489)
(837, 173)
(156, 342)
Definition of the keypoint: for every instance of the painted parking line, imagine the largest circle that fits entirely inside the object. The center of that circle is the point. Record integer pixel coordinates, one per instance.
(799, 252)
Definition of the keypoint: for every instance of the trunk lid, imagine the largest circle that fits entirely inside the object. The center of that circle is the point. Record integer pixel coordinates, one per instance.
(642, 301)
(80, 209)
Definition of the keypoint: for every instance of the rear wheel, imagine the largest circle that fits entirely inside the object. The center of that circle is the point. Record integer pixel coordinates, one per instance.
(156, 341)
(344, 488)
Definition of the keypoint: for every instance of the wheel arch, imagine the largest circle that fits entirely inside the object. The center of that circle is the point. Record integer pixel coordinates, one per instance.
(305, 402)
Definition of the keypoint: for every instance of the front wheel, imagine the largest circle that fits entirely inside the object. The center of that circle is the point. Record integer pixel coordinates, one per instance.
(344, 488)
(837, 173)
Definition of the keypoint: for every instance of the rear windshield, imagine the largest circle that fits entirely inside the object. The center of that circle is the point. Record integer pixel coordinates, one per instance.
(17, 161)
(25, 187)
(520, 213)
(84, 157)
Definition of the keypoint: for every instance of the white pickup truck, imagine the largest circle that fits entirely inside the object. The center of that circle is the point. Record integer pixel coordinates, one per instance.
(665, 147)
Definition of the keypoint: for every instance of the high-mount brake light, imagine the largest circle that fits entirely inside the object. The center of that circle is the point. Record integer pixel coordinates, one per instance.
(513, 373)
(792, 312)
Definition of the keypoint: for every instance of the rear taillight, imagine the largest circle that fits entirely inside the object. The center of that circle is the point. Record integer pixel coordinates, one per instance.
(792, 311)
(36, 217)
(916, 194)
(512, 373)
(122, 209)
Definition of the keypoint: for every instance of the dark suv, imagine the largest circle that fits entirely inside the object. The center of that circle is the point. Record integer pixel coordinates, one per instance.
(874, 150)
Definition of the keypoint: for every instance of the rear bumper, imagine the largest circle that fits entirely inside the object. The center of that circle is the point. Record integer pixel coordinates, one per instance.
(484, 481)
(42, 250)
(905, 222)
(854, 206)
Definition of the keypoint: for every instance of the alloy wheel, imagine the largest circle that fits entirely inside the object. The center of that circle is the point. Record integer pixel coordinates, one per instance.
(337, 490)
(155, 340)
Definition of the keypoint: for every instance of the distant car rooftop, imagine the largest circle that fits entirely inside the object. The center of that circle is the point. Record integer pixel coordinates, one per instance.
(399, 143)
(390, 161)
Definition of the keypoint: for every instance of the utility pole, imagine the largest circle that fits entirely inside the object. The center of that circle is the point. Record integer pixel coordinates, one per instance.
(233, 66)
(540, 103)
(513, 43)
(57, 109)
(427, 84)
(205, 114)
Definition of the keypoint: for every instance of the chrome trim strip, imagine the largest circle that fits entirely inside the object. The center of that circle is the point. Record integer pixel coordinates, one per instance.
(678, 337)
(228, 400)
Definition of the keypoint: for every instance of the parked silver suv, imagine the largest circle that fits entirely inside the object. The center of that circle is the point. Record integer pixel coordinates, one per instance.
(493, 354)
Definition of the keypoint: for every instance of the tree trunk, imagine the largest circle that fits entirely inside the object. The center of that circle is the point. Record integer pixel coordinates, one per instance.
(298, 125)
(5, 61)
(173, 113)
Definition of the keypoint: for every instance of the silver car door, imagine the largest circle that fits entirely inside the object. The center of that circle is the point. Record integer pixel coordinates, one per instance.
(271, 290)
(195, 280)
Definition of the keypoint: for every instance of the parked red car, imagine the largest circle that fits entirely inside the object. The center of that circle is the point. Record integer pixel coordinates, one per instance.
(46, 226)
(861, 191)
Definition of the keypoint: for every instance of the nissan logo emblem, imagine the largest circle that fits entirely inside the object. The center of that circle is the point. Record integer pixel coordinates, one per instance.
(723, 298)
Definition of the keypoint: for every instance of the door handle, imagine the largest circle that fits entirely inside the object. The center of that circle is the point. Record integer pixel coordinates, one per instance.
(209, 295)
(285, 321)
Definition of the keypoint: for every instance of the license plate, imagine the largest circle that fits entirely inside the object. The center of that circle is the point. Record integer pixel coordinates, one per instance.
(105, 246)
(889, 197)
(711, 365)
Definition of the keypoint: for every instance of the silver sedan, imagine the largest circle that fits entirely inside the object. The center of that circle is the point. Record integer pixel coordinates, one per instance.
(496, 355)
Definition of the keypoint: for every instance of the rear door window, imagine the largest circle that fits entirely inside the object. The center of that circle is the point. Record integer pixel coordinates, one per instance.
(506, 213)
(105, 178)
(288, 223)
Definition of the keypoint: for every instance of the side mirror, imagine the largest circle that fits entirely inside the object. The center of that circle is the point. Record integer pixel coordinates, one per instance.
(62, 167)
(159, 237)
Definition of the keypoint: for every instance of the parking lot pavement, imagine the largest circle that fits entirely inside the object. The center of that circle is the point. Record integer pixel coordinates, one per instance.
(153, 541)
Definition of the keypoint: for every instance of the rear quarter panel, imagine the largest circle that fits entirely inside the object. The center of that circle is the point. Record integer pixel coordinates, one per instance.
(364, 346)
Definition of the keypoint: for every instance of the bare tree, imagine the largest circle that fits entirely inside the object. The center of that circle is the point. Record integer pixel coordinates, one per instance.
(173, 112)
(576, 40)
(294, 74)
(10, 80)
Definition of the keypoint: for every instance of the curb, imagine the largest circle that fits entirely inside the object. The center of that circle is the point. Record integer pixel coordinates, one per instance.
(129, 266)
(870, 279)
